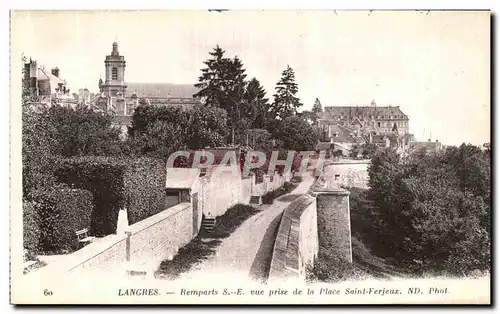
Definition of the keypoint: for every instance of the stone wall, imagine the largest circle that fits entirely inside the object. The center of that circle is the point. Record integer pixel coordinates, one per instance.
(334, 221)
(296, 244)
(220, 190)
(348, 173)
(246, 189)
(150, 241)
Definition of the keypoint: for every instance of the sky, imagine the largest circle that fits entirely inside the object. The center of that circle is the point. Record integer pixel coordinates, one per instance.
(434, 65)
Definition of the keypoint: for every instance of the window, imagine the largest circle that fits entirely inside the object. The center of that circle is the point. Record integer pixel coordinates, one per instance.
(114, 74)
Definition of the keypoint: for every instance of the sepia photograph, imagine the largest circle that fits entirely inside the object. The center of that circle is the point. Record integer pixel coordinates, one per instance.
(250, 157)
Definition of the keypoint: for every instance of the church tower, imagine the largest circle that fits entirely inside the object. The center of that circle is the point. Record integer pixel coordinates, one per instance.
(114, 84)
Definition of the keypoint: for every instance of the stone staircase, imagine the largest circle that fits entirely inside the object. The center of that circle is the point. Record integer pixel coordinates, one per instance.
(208, 224)
(254, 199)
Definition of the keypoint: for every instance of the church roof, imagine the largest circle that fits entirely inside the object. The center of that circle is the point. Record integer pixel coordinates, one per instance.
(383, 112)
(161, 90)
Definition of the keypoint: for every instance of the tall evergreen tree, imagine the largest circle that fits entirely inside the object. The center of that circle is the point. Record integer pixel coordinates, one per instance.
(256, 105)
(317, 107)
(222, 84)
(286, 101)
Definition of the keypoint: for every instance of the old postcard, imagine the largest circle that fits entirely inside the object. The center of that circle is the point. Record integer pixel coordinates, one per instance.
(250, 157)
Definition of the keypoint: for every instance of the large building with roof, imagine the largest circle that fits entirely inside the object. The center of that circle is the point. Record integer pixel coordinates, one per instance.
(370, 119)
(46, 85)
(121, 98)
(343, 127)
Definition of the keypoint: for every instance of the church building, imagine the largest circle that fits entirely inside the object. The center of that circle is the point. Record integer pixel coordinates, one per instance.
(121, 98)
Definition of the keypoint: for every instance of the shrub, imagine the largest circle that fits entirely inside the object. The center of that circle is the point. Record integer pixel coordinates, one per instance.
(31, 232)
(144, 188)
(269, 197)
(61, 212)
(103, 176)
(330, 266)
(136, 183)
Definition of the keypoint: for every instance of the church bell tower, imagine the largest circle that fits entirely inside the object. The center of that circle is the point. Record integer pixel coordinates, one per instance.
(114, 84)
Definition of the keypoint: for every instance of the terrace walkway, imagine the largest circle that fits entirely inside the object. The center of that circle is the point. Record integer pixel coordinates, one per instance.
(247, 251)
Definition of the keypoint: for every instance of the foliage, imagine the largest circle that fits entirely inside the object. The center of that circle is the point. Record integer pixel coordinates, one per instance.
(134, 183)
(199, 249)
(337, 153)
(206, 128)
(433, 210)
(37, 142)
(296, 134)
(82, 131)
(256, 106)
(286, 101)
(366, 150)
(270, 196)
(317, 108)
(146, 115)
(144, 183)
(222, 84)
(159, 139)
(103, 177)
(258, 139)
(61, 212)
(330, 267)
(158, 131)
(231, 220)
(31, 231)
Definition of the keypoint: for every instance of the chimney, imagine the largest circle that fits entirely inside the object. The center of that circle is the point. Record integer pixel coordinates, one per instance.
(55, 72)
(33, 78)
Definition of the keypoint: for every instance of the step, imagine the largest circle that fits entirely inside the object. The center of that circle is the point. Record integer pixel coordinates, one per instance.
(255, 200)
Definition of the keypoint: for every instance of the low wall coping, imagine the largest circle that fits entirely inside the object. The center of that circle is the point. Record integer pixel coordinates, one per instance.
(150, 221)
(70, 261)
(285, 258)
(330, 191)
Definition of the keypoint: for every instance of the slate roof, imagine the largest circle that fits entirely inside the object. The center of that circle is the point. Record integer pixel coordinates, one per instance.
(344, 134)
(161, 90)
(366, 112)
(44, 75)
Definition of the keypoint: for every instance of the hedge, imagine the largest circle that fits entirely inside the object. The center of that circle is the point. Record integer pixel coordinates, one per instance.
(61, 211)
(144, 183)
(137, 184)
(103, 176)
(31, 232)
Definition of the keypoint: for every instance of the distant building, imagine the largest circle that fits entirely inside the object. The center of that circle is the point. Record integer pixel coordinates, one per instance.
(121, 98)
(369, 119)
(47, 86)
(345, 127)
(428, 146)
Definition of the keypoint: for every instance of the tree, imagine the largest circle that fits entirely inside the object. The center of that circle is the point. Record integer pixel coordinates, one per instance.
(433, 210)
(286, 101)
(222, 84)
(337, 153)
(296, 134)
(37, 144)
(159, 139)
(145, 114)
(206, 128)
(82, 131)
(256, 106)
(317, 110)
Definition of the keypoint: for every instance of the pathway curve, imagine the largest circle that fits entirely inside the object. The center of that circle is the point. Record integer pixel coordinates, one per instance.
(247, 251)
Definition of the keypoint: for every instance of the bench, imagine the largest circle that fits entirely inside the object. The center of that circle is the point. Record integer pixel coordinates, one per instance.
(83, 236)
